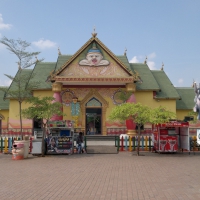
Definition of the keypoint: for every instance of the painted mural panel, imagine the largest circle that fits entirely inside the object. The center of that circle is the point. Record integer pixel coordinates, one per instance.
(94, 62)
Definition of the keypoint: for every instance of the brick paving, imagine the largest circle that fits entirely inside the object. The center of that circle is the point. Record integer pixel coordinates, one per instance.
(122, 176)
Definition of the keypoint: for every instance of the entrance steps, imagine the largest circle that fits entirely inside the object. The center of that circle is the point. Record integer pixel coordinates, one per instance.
(102, 149)
(101, 144)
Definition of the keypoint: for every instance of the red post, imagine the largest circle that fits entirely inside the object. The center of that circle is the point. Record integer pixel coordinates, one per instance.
(122, 144)
(31, 144)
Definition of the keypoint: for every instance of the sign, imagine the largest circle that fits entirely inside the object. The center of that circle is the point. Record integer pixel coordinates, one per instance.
(61, 123)
(198, 136)
(175, 124)
(57, 145)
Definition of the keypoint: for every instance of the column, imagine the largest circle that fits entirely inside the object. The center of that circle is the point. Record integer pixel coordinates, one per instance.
(57, 88)
(130, 124)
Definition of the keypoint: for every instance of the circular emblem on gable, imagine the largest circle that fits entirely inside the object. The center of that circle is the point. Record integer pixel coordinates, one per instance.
(117, 96)
(67, 97)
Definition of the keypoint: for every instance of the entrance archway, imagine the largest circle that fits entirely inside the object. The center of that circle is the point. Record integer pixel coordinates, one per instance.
(93, 100)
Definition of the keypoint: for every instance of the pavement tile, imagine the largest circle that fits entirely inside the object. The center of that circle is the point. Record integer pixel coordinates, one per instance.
(101, 176)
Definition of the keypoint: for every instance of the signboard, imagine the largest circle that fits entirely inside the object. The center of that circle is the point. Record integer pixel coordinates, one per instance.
(174, 124)
(61, 123)
(198, 136)
(59, 145)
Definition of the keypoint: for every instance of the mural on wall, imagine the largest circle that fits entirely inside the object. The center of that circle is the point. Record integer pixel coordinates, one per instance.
(116, 96)
(26, 123)
(67, 97)
(91, 63)
(75, 111)
(94, 57)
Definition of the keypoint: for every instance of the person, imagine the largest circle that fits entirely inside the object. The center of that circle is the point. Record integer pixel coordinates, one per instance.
(52, 144)
(80, 141)
(94, 57)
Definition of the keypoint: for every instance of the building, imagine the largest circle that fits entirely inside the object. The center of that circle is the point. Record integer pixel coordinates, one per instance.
(89, 84)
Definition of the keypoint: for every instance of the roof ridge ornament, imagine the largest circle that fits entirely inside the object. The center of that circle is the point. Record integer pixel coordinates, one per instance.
(145, 61)
(19, 66)
(94, 34)
(162, 68)
(59, 53)
(125, 51)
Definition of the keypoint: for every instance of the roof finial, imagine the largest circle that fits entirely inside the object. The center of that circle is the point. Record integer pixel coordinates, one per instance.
(162, 68)
(59, 53)
(19, 67)
(125, 51)
(145, 61)
(94, 34)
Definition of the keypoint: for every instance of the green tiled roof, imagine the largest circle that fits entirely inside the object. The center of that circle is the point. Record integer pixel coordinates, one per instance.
(124, 60)
(62, 59)
(13, 86)
(187, 98)
(167, 90)
(148, 80)
(4, 105)
(41, 72)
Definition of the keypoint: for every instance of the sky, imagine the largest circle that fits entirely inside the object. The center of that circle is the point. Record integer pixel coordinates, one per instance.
(165, 31)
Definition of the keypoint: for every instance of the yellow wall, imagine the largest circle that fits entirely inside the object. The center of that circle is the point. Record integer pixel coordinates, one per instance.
(146, 98)
(14, 115)
(182, 113)
(5, 115)
(43, 93)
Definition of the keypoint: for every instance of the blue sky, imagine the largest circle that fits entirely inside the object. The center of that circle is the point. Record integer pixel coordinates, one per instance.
(165, 31)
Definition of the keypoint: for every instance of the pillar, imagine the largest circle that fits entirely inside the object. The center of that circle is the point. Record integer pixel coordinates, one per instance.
(57, 88)
(130, 124)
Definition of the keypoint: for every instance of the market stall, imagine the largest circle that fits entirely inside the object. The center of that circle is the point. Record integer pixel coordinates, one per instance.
(172, 136)
(60, 139)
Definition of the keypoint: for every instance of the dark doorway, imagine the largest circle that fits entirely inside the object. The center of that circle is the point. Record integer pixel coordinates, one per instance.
(93, 121)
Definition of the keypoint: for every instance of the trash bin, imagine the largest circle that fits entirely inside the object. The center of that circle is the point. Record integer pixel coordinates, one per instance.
(26, 146)
(18, 151)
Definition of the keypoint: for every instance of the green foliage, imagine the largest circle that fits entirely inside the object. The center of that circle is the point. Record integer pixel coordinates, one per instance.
(141, 114)
(124, 96)
(161, 115)
(20, 87)
(42, 108)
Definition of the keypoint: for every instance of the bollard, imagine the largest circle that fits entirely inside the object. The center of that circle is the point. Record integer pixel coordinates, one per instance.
(130, 143)
(31, 144)
(9, 144)
(142, 143)
(146, 143)
(149, 143)
(122, 144)
(5, 145)
(126, 143)
(118, 143)
(133, 143)
(1, 145)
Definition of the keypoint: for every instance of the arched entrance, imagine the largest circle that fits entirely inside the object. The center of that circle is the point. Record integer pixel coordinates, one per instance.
(93, 111)
(93, 117)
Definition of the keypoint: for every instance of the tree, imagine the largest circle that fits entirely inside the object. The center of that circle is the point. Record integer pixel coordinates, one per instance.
(141, 114)
(21, 86)
(42, 108)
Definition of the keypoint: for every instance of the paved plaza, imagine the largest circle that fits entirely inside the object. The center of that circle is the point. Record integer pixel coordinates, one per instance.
(122, 176)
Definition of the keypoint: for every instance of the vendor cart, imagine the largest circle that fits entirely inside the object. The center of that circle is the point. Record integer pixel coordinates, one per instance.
(171, 137)
(60, 139)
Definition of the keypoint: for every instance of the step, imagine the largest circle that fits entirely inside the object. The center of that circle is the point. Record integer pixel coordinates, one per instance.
(100, 138)
(102, 149)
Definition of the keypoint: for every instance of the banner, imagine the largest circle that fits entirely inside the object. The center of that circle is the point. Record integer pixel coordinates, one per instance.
(198, 136)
